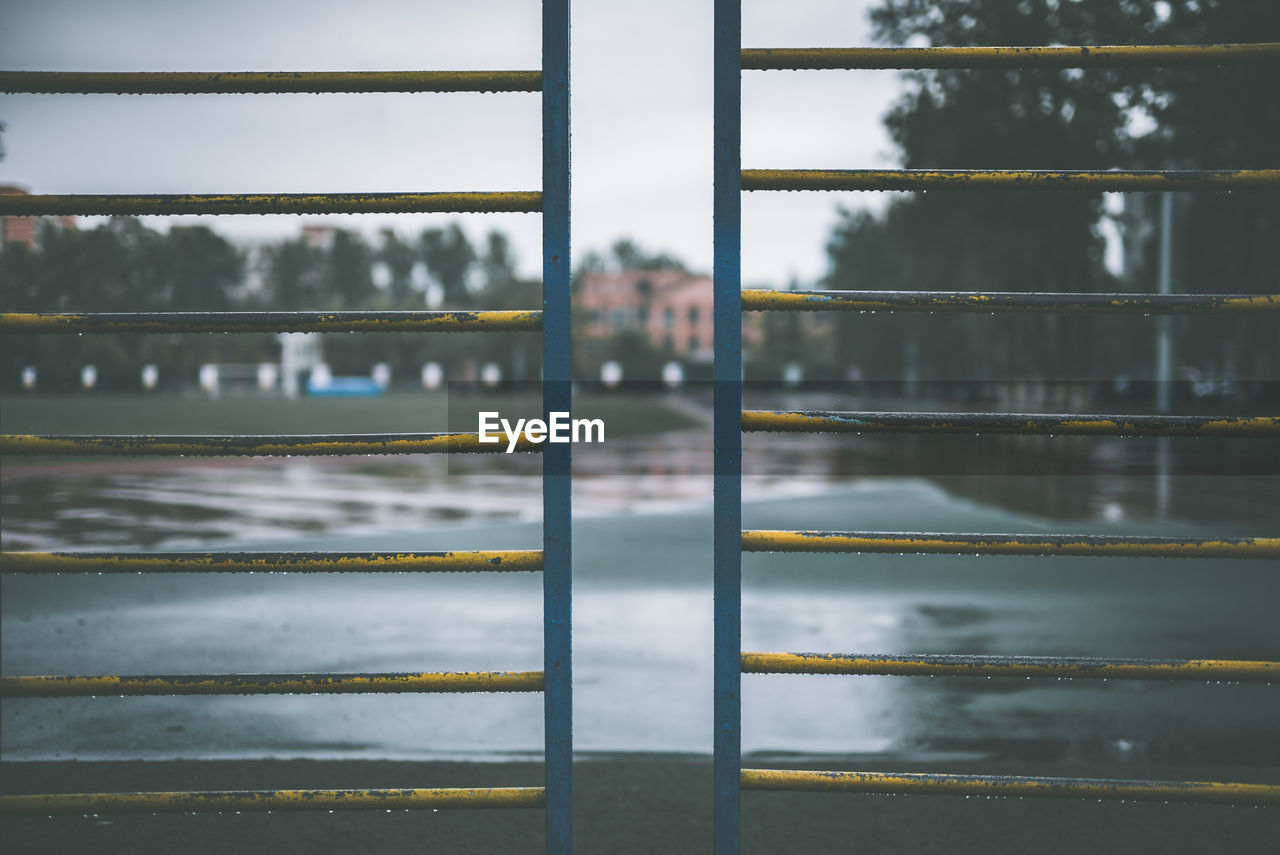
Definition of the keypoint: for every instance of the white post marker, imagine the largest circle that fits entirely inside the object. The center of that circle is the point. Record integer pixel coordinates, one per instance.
(268, 374)
(432, 376)
(672, 375)
(381, 375)
(209, 379)
(611, 374)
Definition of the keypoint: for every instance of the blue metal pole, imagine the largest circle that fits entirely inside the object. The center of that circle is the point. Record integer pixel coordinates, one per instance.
(556, 463)
(727, 375)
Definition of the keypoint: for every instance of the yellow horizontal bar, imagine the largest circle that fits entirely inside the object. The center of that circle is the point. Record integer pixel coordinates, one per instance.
(760, 300)
(254, 446)
(1056, 56)
(271, 203)
(269, 800)
(1006, 179)
(507, 320)
(1002, 544)
(1065, 424)
(272, 684)
(911, 783)
(511, 561)
(235, 82)
(946, 665)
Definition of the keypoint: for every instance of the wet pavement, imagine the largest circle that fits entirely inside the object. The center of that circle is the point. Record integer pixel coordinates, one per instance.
(642, 611)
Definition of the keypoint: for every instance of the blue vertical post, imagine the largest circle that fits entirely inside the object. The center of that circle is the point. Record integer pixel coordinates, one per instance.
(727, 375)
(556, 496)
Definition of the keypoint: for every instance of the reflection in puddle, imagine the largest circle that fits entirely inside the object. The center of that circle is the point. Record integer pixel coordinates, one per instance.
(642, 602)
(208, 504)
(203, 507)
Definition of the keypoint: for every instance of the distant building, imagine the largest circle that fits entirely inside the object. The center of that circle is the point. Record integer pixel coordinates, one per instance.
(318, 235)
(23, 230)
(671, 307)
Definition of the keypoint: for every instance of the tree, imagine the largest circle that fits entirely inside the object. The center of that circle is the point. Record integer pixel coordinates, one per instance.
(498, 262)
(348, 271)
(1222, 117)
(400, 258)
(1093, 118)
(197, 270)
(292, 275)
(628, 255)
(448, 256)
(119, 266)
(631, 348)
(502, 288)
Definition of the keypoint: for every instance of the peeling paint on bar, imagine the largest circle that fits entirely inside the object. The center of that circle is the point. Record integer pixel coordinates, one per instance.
(759, 300)
(234, 82)
(911, 783)
(271, 684)
(252, 446)
(1009, 544)
(272, 322)
(1008, 423)
(960, 665)
(271, 203)
(1008, 179)
(1064, 56)
(272, 800)
(507, 561)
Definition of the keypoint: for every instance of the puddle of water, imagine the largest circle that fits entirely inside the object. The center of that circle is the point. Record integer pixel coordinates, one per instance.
(642, 605)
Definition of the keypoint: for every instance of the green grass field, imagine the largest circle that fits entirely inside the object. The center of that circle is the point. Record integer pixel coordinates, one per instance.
(401, 412)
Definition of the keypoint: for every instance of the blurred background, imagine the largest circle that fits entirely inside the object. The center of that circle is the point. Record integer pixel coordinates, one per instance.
(642, 338)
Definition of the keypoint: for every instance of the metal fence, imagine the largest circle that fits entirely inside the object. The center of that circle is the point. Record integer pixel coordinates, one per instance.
(553, 561)
(730, 421)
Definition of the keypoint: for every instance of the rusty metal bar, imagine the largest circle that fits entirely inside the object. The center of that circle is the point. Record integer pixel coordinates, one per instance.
(270, 322)
(727, 406)
(508, 561)
(304, 445)
(913, 783)
(1008, 179)
(271, 684)
(272, 800)
(1101, 56)
(271, 203)
(236, 82)
(963, 665)
(1009, 544)
(1012, 423)
(759, 300)
(557, 396)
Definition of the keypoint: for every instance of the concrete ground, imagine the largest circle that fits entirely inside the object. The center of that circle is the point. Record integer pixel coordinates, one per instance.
(642, 803)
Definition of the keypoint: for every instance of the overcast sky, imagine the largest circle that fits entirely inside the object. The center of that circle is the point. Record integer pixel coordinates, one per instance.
(641, 114)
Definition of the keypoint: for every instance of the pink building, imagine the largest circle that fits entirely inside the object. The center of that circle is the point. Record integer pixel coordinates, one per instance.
(22, 230)
(673, 308)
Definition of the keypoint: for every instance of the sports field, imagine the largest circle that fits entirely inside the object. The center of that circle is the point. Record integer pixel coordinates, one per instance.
(396, 412)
